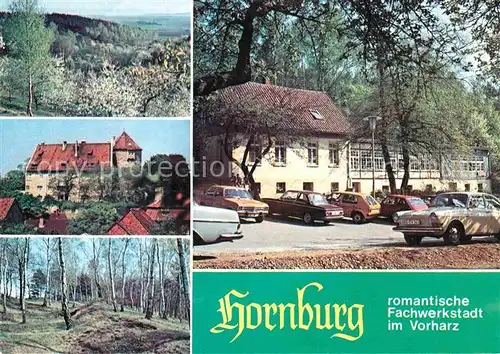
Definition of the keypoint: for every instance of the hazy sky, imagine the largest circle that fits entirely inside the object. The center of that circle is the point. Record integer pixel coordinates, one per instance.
(112, 7)
(18, 138)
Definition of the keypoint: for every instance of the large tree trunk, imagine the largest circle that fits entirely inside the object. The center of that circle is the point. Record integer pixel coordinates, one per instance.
(151, 290)
(123, 274)
(23, 270)
(64, 297)
(29, 108)
(46, 298)
(5, 265)
(406, 166)
(185, 281)
(111, 278)
(161, 267)
(95, 262)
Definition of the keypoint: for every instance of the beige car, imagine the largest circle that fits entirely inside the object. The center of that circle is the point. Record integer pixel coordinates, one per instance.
(236, 198)
(456, 217)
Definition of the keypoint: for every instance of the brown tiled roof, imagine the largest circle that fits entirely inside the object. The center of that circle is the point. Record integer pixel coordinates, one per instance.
(134, 222)
(5, 205)
(55, 224)
(52, 157)
(294, 104)
(125, 142)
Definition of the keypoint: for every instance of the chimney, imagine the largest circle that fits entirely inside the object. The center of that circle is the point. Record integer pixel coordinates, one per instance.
(41, 223)
(76, 148)
(268, 81)
(64, 145)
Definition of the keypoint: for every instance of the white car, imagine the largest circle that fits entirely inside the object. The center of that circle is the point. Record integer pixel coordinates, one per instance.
(212, 225)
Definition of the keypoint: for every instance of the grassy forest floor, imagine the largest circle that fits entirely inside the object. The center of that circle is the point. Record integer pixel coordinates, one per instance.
(97, 329)
(17, 107)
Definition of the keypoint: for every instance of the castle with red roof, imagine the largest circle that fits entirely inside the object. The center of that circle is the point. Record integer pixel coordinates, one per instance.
(68, 163)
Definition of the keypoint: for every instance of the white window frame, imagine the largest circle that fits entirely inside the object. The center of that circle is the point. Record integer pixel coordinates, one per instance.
(312, 147)
(333, 155)
(280, 153)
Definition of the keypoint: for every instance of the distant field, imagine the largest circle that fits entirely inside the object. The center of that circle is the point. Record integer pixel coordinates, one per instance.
(165, 25)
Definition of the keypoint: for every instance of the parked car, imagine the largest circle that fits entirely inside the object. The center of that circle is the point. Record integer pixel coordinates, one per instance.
(428, 198)
(395, 203)
(360, 207)
(307, 205)
(235, 198)
(456, 217)
(212, 225)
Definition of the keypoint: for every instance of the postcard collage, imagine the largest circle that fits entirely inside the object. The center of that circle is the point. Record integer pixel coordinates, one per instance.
(249, 176)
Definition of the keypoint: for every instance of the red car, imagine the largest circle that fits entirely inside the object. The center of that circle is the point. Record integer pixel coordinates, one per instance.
(394, 203)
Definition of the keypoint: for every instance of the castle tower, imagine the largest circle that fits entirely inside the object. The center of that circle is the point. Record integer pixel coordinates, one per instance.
(126, 153)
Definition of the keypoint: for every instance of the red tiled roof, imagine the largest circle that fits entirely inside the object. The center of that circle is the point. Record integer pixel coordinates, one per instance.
(134, 222)
(56, 224)
(295, 105)
(52, 157)
(5, 205)
(125, 142)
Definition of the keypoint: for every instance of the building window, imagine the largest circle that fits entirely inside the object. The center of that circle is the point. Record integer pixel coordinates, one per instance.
(257, 188)
(39, 188)
(385, 189)
(280, 187)
(480, 187)
(355, 160)
(429, 188)
(312, 153)
(366, 160)
(255, 153)
(467, 187)
(308, 186)
(316, 114)
(452, 186)
(334, 187)
(379, 161)
(280, 153)
(333, 154)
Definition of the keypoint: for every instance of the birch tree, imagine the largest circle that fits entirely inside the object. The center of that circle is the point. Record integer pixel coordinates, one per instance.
(111, 278)
(64, 296)
(151, 290)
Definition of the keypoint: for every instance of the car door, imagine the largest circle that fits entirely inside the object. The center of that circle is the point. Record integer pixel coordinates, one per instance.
(478, 220)
(349, 202)
(208, 198)
(218, 199)
(286, 203)
(301, 205)
(493, 205)
(387, 208)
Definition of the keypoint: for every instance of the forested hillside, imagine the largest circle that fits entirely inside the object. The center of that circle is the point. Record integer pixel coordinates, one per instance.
(91, 67)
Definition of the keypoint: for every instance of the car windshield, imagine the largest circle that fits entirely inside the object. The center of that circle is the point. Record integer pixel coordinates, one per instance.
(416, 202)
(450, 200)
(370, 200)
(237, 193)
(317, 199)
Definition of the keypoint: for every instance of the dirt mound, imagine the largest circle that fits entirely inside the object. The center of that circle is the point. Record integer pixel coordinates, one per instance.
(111, 332)
(484, 256)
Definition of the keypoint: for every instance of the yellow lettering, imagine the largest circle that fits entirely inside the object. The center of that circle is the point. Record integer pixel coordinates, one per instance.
(267, 309)
(226, 309)
(282, 309)
(258, 309)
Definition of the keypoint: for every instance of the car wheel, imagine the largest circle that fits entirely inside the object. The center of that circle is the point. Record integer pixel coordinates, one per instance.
(259, 219)
(413, 240)
(358, 218)
(307, 218)
(454, 234)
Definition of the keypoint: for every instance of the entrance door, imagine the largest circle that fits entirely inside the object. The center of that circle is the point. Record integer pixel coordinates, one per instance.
(356, 187)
